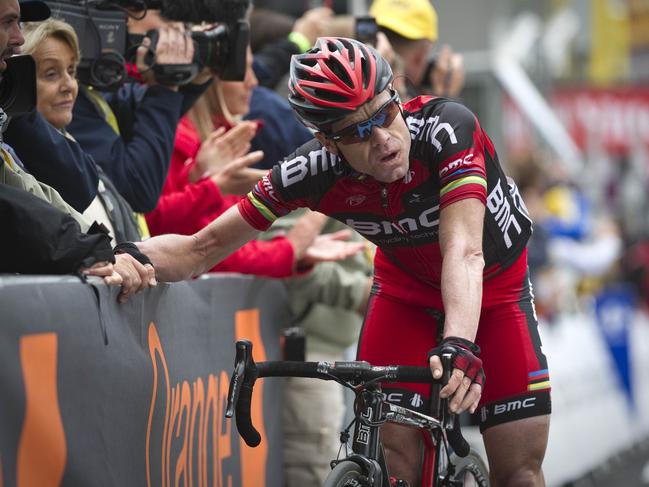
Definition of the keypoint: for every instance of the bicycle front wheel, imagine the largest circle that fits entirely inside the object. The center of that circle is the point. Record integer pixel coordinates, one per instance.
(470, 470)
(346, 474)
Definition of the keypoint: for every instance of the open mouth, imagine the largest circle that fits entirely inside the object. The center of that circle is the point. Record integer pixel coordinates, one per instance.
(389, 157)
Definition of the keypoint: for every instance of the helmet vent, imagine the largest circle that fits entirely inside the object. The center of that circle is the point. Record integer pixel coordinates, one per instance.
(366, 69)
(329, 96)
(341, 73)
(305, 75)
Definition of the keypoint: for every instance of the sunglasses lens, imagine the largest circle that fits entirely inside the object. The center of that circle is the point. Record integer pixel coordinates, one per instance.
(361, 132)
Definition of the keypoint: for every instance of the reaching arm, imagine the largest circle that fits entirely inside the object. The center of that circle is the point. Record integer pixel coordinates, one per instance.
(179, 257)
(460, 238)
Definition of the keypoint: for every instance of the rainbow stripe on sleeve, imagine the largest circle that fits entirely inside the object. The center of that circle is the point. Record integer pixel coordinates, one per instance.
(463, 181)
(261, 207)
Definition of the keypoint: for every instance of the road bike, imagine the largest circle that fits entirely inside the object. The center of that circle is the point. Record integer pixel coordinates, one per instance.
(448, 459)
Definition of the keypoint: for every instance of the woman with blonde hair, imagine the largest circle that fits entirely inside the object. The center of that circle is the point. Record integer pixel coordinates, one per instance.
(54, 46)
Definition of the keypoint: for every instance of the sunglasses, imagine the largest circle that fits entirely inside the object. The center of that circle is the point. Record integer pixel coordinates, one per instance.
(361, 131)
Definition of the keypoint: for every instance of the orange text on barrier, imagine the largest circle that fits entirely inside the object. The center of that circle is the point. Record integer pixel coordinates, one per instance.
(193, 424)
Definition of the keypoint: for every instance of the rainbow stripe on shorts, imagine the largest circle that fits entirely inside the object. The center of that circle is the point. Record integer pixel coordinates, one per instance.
(537, 380)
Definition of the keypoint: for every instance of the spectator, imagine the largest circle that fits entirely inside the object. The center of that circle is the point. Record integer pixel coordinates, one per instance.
(40, 239)
(12, 170)
(55, 47)
(411, 28)
(130, 133)
(47, 155)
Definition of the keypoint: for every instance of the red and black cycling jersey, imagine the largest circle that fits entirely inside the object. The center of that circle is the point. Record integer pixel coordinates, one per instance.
(451, 158)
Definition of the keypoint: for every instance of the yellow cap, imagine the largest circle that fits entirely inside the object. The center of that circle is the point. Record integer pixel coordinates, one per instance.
(412, 19)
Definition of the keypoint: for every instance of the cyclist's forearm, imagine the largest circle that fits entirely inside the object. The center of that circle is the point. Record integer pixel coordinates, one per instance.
(462, 292)
(180, 257)
(460, 240)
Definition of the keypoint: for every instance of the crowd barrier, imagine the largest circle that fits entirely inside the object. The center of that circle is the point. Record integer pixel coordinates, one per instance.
(93, 392)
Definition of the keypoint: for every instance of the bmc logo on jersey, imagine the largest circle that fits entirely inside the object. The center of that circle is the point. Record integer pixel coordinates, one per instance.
(296, 169)
(501, 210)
(427, 219)
(456, 164)
(429, 130)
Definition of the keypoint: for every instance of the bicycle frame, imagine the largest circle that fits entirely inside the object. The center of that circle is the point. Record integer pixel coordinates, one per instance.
(366, 445)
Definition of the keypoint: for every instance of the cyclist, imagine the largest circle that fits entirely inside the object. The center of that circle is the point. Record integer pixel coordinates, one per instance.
(423, 182)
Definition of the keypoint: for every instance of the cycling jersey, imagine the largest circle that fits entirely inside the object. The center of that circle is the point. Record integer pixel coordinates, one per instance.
(451, 158)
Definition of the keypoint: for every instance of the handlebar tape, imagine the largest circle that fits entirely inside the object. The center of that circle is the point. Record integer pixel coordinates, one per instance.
(409, 373)
(456, 440)
(289, 369)
(244, 421)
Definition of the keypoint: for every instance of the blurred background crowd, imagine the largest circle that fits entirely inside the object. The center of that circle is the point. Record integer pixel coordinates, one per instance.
(165, 142)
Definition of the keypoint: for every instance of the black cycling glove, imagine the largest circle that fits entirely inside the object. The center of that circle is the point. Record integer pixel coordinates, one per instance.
(464, 356)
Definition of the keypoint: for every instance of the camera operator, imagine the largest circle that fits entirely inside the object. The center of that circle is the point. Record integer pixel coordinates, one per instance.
(412, 29)
(130, 133)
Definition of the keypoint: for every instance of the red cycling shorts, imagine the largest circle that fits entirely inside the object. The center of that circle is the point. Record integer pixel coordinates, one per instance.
(400, 331)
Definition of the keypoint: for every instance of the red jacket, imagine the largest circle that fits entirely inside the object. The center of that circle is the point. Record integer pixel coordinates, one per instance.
(186, 208)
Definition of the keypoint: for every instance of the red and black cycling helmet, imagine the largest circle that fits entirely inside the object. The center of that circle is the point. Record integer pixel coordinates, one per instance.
(333, 79)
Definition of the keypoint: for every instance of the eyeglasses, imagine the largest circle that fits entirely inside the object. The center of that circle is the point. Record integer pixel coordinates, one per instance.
(361, 131)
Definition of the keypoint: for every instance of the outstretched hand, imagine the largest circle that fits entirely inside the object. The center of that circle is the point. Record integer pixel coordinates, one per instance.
(330, 247)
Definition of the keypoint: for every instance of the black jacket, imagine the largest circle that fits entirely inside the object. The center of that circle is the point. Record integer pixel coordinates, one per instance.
(37, 238)
(53, 159)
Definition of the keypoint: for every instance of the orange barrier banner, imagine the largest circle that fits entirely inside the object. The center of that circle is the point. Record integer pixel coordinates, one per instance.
(93, 392)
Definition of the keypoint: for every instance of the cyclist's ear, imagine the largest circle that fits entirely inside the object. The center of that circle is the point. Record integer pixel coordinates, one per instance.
(328, 143)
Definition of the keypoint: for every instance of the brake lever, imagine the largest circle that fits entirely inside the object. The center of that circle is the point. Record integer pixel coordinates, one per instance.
(242, 361)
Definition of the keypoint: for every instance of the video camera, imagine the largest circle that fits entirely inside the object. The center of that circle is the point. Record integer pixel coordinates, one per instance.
(106, 46)
(18, 86)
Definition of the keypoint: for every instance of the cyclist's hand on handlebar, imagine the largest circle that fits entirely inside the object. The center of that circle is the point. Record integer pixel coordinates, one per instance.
(467, 377)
